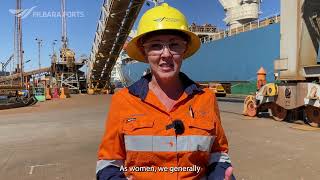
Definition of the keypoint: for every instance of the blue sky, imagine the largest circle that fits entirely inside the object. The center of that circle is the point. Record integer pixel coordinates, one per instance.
(82, 24)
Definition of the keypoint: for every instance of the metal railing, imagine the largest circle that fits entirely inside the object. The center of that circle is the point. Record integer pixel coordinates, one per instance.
(203, 29)
(25, 74)
(244, 28)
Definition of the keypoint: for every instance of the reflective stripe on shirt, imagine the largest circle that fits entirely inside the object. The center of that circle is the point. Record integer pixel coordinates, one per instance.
(219, 157)
(168, 143)
(104, 163)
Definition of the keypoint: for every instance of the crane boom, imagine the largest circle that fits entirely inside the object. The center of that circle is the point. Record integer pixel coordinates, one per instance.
(4, 65)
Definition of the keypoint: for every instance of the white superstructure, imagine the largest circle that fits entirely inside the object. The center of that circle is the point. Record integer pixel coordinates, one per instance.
(117, 73)
(239, 12)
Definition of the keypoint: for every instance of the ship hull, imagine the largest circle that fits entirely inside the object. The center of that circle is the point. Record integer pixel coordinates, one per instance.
(235, 58)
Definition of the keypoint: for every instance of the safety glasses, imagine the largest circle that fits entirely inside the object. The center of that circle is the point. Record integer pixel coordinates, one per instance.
(176, 47)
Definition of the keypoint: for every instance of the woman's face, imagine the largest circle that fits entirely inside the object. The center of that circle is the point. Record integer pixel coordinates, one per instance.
(165, 54)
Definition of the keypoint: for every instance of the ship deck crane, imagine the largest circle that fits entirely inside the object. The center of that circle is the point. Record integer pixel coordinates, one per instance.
(297, 69)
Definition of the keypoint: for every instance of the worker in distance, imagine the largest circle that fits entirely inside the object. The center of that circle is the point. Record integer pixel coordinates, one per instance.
(164, 126)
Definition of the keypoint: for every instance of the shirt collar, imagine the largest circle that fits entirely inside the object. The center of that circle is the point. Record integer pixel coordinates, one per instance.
(141, 87)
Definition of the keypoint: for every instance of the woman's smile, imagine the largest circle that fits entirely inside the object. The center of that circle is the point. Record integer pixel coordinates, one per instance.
(166, 67)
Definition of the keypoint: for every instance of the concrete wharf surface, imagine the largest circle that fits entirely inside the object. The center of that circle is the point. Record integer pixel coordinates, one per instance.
(58, 139)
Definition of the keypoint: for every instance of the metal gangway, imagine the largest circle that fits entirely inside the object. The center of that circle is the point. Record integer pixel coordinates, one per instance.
(116, 21)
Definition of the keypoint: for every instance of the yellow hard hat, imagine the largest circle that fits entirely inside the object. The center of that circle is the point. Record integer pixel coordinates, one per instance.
(163, 17)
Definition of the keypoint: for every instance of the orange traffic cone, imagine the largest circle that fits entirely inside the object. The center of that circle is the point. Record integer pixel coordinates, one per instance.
(48, 94)
(62, 94)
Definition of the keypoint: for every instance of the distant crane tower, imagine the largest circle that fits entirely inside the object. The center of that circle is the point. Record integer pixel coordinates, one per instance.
(66, 70)
(66, 54)
(18, 50)
(64, 25)
(239, 12)
(5, 64)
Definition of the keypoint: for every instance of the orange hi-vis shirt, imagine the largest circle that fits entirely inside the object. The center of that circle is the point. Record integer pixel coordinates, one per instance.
(138, 141)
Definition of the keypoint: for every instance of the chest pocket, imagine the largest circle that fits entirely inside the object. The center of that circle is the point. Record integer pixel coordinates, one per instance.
(202, 128)
(202, 125)
(138, 126)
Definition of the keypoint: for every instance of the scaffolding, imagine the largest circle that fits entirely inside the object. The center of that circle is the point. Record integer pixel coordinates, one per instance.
(66, 71)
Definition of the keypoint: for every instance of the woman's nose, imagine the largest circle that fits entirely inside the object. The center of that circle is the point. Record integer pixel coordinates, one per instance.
(166, 52)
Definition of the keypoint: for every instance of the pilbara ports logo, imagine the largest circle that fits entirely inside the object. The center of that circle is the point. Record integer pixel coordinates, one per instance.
(23, 13)
(166, 19)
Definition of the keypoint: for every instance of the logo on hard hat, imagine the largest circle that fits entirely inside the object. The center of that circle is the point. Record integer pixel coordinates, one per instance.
(166, 19)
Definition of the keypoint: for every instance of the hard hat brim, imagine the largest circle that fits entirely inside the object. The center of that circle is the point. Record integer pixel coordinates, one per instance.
(135, 51)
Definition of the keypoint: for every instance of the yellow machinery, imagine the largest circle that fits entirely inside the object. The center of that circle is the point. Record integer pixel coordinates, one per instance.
(218, 89)
(68, 56)
(298, 92)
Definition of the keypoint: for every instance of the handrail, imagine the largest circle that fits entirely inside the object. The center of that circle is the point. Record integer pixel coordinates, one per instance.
(244, 28)
(206, 29)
